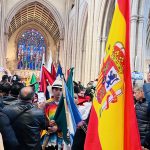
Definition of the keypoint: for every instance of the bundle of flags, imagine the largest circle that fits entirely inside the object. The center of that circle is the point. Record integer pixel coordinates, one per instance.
(67, 115)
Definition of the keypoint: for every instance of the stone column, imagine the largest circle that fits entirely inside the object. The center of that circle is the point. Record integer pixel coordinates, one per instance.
(62, 54)
(98, 56)
(82, 24)
(99, 38)
(94, 56)
(75, 35)
(140, 50)
(103, 45)
(2, 35)
(87, 75)
(140, 47)
(67, 56)
(133, 34)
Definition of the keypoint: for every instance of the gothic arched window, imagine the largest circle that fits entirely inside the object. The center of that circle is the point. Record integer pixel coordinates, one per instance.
(31, 50)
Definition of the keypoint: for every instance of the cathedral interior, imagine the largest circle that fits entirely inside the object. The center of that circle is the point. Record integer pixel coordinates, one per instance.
(70, 32)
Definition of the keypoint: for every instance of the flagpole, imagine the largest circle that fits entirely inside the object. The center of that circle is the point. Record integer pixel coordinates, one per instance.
(65, 103)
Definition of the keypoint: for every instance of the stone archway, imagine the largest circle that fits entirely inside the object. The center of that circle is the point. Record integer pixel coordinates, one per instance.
(55, 14)
(47, 4)
(54, 21)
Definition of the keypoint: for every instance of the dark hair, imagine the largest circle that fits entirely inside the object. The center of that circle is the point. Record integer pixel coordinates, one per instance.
(82, 88)
(90, 92)
(29, 96)
(15, 88)
(15, 79)
(5, 87)
(76, 89)
(4, 78)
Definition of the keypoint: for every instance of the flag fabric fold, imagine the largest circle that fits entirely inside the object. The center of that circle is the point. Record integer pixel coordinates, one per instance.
(34, 81)
(59, 71)
(46, 78)
(113, 114)
(61, 120)
(67, 116)
(70, 82)
(75, 114)
(53, 70)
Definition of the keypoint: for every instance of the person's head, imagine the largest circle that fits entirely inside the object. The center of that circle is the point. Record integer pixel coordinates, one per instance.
(76, 89)
(148, 77)
(26, 94)
(138, 93)
(76, 98)
(15, 79)
(4, 88)
(90, 92)
(15, 89)
(5, 78)
(90, 84)
(82, 93)
(57, 89)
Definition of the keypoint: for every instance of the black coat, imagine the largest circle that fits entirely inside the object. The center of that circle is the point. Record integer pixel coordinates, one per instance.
(79, 137)
(7, 100)
(9, 138)
(146, 142)
(28, 125)
(142, 118)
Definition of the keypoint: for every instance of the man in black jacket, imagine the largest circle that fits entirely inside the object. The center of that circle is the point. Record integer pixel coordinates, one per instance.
(27, 120)
(141, 108)
(4, 92)
(9, 138)
(146, 142)
(9, 93)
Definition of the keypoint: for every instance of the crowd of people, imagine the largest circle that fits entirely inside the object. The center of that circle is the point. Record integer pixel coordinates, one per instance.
(28, 124)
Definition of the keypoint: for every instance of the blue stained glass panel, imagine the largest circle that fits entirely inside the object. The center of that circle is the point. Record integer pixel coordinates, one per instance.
(30, 50)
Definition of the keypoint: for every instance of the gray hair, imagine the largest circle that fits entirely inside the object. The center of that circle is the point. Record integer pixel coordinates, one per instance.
(138, 88)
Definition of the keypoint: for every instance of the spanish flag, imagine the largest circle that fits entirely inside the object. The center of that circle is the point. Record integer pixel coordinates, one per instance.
(113, 124)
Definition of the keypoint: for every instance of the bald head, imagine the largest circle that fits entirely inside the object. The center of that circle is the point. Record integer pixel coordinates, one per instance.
(26, 93)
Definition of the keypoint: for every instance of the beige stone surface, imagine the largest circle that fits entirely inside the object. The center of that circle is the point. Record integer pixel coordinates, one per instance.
(84, 26)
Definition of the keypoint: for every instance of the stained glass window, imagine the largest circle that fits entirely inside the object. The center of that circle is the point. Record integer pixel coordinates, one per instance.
(31, 50)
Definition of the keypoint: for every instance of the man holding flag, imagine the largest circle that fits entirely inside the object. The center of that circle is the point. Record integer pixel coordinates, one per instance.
(113, 114)
(53, 138)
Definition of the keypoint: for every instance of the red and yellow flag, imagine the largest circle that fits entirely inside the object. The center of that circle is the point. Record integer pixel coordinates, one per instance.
(112, 124)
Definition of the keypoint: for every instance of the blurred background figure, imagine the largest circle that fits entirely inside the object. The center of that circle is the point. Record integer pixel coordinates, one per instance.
(141, 108)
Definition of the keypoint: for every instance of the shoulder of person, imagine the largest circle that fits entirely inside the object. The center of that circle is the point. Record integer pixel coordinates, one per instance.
(11, 111)
(49, 103)
(50, 100)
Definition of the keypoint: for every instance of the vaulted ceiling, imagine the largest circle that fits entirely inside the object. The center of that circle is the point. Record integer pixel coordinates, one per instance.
(35, 12)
